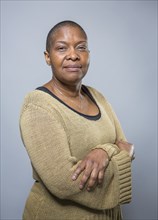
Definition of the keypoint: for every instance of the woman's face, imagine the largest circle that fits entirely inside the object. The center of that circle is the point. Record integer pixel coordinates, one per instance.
(69, 55)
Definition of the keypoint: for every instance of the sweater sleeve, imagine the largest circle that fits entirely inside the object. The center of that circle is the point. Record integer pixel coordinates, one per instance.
(111, 149)
(46, 142)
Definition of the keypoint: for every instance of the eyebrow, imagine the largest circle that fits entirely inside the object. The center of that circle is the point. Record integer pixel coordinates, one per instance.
(64, 42)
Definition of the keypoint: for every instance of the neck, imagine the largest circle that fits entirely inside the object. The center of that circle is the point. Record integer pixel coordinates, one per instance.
(67, 90)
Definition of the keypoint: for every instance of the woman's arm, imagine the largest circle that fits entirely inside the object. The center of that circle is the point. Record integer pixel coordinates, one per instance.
(90, 165)
(121, 141)
(47, 144)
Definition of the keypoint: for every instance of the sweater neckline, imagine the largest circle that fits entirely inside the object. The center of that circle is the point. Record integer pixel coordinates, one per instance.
(85, 90)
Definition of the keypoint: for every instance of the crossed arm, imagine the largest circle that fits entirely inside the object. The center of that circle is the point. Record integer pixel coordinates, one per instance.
(94, 164)
(46, 142)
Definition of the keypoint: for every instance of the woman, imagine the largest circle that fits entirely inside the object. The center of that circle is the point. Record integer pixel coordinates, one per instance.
(80, 157)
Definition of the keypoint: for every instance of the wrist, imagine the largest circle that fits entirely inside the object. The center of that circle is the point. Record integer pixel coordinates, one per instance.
(110, 149)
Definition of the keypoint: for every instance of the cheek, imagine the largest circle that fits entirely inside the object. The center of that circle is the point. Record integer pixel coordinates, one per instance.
(56, 61)
(86, 61)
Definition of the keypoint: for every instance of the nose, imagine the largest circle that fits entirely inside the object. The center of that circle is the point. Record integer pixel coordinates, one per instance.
(72, 55)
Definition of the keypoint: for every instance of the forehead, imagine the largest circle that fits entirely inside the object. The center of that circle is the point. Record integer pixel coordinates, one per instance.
(68, 33)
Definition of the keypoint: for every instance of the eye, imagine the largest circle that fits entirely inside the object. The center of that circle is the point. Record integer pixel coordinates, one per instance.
(61, 48)
(82, 48)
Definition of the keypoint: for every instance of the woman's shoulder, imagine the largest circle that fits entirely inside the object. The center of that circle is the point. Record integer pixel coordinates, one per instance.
(96, 93)
(37, 99)
(100, 98)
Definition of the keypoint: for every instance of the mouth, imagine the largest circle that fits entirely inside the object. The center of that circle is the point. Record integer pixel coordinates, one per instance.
(73, 68)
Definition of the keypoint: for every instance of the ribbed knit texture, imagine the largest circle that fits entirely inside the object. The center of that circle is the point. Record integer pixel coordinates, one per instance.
(56, 139)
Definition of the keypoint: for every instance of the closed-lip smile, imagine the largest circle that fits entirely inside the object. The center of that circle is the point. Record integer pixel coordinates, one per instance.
(72, 67)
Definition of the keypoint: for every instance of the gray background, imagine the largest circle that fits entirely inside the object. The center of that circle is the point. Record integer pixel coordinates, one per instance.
(123, 44)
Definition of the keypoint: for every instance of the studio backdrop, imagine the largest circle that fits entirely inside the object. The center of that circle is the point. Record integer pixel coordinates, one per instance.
(123, 51)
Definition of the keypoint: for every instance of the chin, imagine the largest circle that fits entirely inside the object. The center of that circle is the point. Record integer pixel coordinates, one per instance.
(73, 82)
(74, 78)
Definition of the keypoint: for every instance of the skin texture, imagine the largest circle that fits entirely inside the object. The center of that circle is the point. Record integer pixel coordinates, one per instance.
(68, 57)
(69, 60)
(93, 167)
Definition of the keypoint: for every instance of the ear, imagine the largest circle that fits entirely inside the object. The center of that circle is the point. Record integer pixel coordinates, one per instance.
(47, 57)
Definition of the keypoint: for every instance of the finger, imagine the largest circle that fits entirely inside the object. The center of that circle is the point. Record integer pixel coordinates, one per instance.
(117, 142)
(86, 174)
(100, 177)
(78, 170)
(93, 179)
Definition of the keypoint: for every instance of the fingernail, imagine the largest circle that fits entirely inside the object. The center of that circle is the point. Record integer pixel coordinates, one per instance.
(88, 189)
(73, 177)
(81, 186)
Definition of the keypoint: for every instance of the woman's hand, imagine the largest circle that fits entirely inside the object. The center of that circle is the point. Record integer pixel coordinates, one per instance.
(123, 145)
(93, 167)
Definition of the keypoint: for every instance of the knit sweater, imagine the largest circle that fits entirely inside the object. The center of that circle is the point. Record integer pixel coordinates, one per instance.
(57, 138)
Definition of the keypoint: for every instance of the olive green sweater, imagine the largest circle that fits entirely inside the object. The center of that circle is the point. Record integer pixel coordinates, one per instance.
(57, 138)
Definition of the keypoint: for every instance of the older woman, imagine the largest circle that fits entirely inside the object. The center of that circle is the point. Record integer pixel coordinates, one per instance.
(80, 157)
